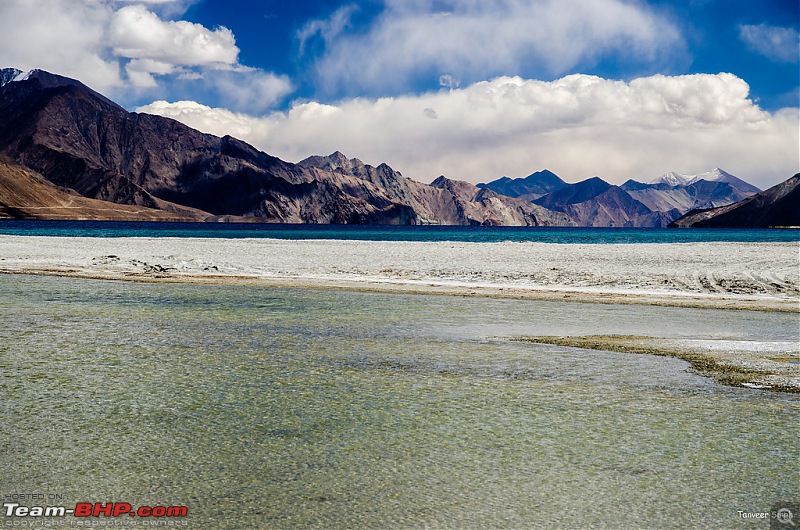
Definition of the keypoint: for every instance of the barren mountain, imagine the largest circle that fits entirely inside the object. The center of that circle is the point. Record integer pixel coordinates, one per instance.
(682, 193)
(673, 179)
(79, 140)
(595, 202)
(26, 195)
(529, 188)
(443, 200)
(777, 206)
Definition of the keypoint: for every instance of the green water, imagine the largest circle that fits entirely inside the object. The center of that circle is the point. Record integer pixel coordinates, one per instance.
(270, 408)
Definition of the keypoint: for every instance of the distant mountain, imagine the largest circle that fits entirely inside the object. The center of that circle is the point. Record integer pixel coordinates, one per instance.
(595, 202)
(443, 201)
(531, 187)
(574, 194)
(663, 197)
(61, 141)
(673, 179)
(83, 143)
(777, 206)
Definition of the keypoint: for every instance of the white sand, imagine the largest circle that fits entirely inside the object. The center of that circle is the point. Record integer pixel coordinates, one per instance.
(763, 276)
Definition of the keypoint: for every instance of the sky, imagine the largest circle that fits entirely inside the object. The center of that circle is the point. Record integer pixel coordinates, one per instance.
(470, 89)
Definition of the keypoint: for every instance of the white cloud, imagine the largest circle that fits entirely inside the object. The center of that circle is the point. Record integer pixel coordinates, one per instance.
(165, 8)
(776, 43)
(250, 90)
(577, 126)
(123, 50)
(60, 37)
(472, 39)
(328, 29)
(139, 34)
(448, 81)
(140, 71)
(205, 118)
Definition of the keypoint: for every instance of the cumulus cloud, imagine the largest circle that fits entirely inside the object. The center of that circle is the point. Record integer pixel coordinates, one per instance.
(137, 33)
(577, 126)
(250, 90)
(126, 49)
(181, 5)
(475, 39)
(777, 43)
(205, 118)
(161, 47)
(61, 37)
(165, 8)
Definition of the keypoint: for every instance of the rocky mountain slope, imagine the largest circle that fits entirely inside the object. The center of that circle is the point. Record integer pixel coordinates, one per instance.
(777, 206)
(81, 141)
(83, 144)
(444, 200)
(27, 195)
(678, 194)
(529, 188)
(594, 202)
(673, 179)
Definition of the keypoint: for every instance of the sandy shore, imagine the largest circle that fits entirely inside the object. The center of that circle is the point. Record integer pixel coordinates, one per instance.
(761, 276)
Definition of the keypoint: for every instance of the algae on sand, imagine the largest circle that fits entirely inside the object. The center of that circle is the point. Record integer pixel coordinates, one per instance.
(735, 363)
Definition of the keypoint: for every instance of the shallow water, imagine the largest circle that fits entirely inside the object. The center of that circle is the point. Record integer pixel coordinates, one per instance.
(280, 408)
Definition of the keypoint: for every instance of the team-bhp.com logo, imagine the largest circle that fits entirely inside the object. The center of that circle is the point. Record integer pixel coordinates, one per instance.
(97, 509)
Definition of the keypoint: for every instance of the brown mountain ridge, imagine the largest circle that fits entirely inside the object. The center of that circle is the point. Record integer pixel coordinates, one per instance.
(27, 195)
(81, 141)
(779, 206)
(63, 144)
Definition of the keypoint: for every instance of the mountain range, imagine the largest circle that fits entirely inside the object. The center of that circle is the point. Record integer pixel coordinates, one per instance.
(595, 202)
(57, 130)
(68, 152)
(778, 206)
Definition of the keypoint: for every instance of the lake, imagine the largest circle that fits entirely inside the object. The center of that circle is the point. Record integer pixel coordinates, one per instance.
(291, 408)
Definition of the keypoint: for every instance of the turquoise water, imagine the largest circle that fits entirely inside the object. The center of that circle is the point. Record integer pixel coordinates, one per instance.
(480, 234)
(281, 408)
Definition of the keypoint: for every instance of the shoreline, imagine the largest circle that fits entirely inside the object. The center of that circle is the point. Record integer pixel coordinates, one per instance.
(742, 365)
(761, 366)
(719, 275)
(552, 294)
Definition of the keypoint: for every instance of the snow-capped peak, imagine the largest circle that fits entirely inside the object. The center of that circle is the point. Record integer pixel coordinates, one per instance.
(715, 175)
(720, 175)
(9, 75)
(679, 179)
(673, 179)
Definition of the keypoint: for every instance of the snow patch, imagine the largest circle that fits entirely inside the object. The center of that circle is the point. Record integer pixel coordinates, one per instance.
(9, 75)
(673, 179)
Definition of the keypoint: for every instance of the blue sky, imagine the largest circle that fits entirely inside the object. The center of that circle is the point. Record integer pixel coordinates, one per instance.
(710, 41)
(472, 89)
